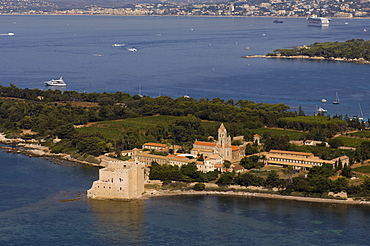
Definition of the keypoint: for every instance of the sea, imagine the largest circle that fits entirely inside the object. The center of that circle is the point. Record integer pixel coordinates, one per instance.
(176, 56)
(44, 203)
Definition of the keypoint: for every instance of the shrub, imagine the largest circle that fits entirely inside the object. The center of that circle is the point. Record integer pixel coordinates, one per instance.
(199, 186)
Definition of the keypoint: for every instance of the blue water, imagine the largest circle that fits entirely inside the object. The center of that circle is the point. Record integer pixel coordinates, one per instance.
(177, 54)
(42, 203)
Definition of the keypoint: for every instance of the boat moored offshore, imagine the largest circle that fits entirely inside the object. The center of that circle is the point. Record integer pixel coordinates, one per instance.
(317, 21)
(56, 82)
(336, 99)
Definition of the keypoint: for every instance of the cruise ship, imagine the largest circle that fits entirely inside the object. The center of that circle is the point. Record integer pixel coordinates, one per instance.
(317, 21)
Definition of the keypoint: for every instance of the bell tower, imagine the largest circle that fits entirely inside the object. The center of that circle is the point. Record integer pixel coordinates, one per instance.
(224, 143)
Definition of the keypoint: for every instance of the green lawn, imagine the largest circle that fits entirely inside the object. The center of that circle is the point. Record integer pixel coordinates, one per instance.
(313, 120)
(293, 135)
(362, 134)
(351, 142)
(140, 122)
(362, 169)
(112, 129)
(106, 132)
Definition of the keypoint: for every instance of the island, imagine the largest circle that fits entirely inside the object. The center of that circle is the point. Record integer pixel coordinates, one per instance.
(354, 50)
(189, 146)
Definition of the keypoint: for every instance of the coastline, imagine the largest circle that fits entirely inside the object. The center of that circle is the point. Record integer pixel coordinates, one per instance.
(359, 61)
(36, 150)
(32, 149)
(164, 193)
(169, 15)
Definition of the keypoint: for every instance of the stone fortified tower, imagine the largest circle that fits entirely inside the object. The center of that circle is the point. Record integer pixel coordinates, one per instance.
(119, 180)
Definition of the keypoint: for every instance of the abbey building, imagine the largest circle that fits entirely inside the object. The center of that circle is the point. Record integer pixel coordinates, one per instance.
(222, 147)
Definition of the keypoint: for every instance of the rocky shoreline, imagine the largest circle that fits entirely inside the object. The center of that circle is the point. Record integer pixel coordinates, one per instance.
(32, 149)
(161, 193)
(359, 60)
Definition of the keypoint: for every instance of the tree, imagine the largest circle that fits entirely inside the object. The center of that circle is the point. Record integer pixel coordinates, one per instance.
(226, 179)
(249, 150)
(199, 186)
(109, 146)
(247, 179)
(227, 164)
(66, 131)
(277, 142)
(363, 152)
(300, 111)
(236, 143)
(249, 162)
(91, 145)
(165, 172)
(340, 184)
(289, 171)
(347, 171)
(326, 170)
(299, 184)
(272, 180)
(335, 143)
(105, 101)
(190, 171)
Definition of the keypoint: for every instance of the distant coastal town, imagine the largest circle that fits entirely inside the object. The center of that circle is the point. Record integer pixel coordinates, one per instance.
(273, 8)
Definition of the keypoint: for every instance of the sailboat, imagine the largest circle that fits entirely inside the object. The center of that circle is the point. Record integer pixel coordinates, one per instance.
(140, 95)
(336, 99)
(361, 115)
(186, 95)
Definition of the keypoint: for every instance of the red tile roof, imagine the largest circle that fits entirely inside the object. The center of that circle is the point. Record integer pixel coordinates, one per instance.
(236, 147)
(155, 145)
(205, 143)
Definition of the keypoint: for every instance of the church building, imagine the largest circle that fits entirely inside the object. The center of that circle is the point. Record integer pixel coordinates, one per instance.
(222, 147)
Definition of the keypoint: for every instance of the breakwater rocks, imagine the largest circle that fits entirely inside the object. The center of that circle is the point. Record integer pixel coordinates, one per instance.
(355, 60)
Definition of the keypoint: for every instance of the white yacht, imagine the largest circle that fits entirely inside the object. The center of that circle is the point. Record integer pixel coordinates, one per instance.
(321, 110)
(56, 82)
